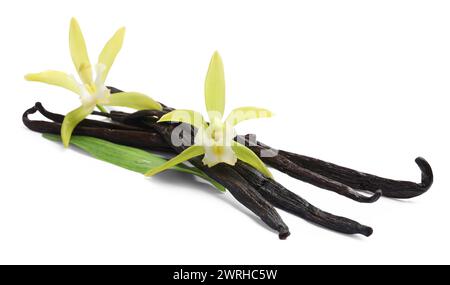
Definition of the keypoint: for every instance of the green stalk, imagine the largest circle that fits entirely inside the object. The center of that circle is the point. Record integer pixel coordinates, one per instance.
(102, 109)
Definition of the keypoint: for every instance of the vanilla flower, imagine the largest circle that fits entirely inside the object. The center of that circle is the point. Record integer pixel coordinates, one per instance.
(215, 140)
(92, 91)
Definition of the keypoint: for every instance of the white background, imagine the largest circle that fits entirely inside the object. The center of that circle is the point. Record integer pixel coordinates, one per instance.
(364, 84)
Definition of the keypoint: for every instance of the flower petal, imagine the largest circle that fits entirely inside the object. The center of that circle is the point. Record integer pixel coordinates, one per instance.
(79, 53)
(133, 100)
(57, 78)
(187, 154)
(185, 116)
(219, 154)
(215, 88)
(110, 51)
(72, 119)
(248, 156)
(246, 113)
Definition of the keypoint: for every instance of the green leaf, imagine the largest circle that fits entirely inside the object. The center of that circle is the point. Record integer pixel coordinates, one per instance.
(128, 157)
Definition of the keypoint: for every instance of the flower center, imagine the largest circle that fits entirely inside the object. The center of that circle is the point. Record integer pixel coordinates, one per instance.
(217, 140)
(219, 134)
(218, 150)
(95, 92)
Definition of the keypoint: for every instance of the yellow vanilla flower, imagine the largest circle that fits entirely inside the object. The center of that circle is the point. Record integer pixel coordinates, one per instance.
(92, 91)
(215, 140)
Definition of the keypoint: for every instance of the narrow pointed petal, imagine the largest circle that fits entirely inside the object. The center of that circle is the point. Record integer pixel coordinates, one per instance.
(185, 116)
(71, 120)
(246, 113)
(187, 154)
(215, 88)
(133, 100)
(56, 78)
(248, 156)
(79, 53)
(110, 51)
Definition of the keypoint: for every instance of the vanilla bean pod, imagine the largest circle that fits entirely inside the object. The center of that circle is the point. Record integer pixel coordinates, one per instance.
(86, 122)
(391, 188)
(288, 201)
(121, 134)
(287, 166)
(352, 178)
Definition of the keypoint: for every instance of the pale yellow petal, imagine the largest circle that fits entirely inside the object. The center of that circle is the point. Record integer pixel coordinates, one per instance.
(187, 154)
(110, 51)
(133, 100)
(185, 116)
(248, 156)
(247, 113)
(219, 154)
(71, 120)
(56, 78)
(79, 53)
(215, 88)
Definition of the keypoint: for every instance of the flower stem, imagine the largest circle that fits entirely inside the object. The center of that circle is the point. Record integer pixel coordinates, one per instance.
(102, 109)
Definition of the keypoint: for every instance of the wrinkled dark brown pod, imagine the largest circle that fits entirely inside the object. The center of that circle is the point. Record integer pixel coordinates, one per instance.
(285, 165)
(391, 188)
(127, 135)
(288, 201)
(86, 122)
(246, 194)
(352, 178)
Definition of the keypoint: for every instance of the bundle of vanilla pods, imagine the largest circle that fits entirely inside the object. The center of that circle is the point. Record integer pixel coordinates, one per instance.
(258, 193)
